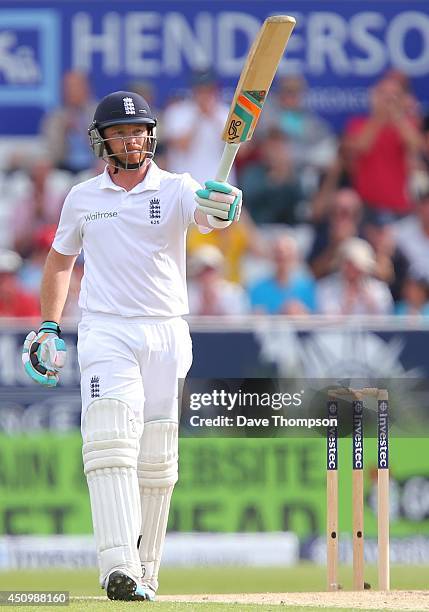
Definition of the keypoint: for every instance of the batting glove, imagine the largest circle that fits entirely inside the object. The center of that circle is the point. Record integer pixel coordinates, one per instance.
(221, 202)
(44, 354)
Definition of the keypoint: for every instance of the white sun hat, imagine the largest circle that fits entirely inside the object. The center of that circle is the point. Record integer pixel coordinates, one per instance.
(360, 253)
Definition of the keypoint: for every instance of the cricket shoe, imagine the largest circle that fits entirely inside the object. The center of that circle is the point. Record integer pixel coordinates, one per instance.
(122, 587)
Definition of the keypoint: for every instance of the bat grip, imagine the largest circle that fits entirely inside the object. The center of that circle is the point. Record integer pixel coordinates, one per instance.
(227, 159)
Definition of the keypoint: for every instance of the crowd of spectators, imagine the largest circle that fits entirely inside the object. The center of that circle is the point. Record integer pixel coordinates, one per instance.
(333, 223)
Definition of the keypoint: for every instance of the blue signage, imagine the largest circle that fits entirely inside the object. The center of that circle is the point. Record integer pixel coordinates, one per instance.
(30, 68)
(393, 353)
(341, 48)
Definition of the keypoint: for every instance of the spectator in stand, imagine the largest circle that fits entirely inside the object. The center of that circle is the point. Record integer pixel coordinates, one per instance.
(208, 291)
(192, 129)
(337, 176)
(97, 167)
(341, 221)
(391, 265)
(311, 139)
(147, 90)
(39, 206)
(66, 129)
(14, 301)
(412, 233)
(290, 290)
(271, 189)
(426, 142)
(383, 144)
(30, 274)
(415, 297)
(248, 153)
(234, 242)
(352, 290)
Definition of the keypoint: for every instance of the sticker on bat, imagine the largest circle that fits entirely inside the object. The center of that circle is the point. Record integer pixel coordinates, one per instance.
(233, 129)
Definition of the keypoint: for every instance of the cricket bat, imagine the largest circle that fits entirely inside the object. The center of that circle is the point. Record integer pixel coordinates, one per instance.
(252, 89)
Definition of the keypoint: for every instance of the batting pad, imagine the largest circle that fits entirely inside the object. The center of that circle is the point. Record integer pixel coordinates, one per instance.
(111, 439)
(157, 475)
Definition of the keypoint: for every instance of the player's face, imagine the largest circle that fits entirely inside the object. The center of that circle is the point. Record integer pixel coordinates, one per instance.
(127, 141)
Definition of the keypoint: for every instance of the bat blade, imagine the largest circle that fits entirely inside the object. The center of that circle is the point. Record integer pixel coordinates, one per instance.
(252, 89)
(256, 78)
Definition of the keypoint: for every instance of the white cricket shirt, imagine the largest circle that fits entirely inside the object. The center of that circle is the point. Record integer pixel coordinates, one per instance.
(134, 242)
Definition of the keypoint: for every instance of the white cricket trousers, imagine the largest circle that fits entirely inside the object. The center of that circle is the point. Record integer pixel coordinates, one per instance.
(129, 378)
(137, 360)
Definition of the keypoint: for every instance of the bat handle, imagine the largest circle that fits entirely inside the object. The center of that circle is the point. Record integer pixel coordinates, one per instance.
(227, 159)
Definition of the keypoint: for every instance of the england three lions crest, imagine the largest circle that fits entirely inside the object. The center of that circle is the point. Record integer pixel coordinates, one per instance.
(155, 211)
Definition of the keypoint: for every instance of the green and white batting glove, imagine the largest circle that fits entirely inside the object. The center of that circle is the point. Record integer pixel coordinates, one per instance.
(221, 202)
(44, 354)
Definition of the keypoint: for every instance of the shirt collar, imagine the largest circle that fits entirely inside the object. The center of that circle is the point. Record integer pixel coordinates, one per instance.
(151, 182)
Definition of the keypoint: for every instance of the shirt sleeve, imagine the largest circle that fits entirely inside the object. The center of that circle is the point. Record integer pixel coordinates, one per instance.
(382, 298)
(328, 297)
(68, 238)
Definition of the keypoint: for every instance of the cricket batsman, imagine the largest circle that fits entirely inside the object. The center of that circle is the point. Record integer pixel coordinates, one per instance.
(133, 344)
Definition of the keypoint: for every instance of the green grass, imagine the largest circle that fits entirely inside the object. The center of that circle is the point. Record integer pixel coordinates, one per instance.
(304, 577)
